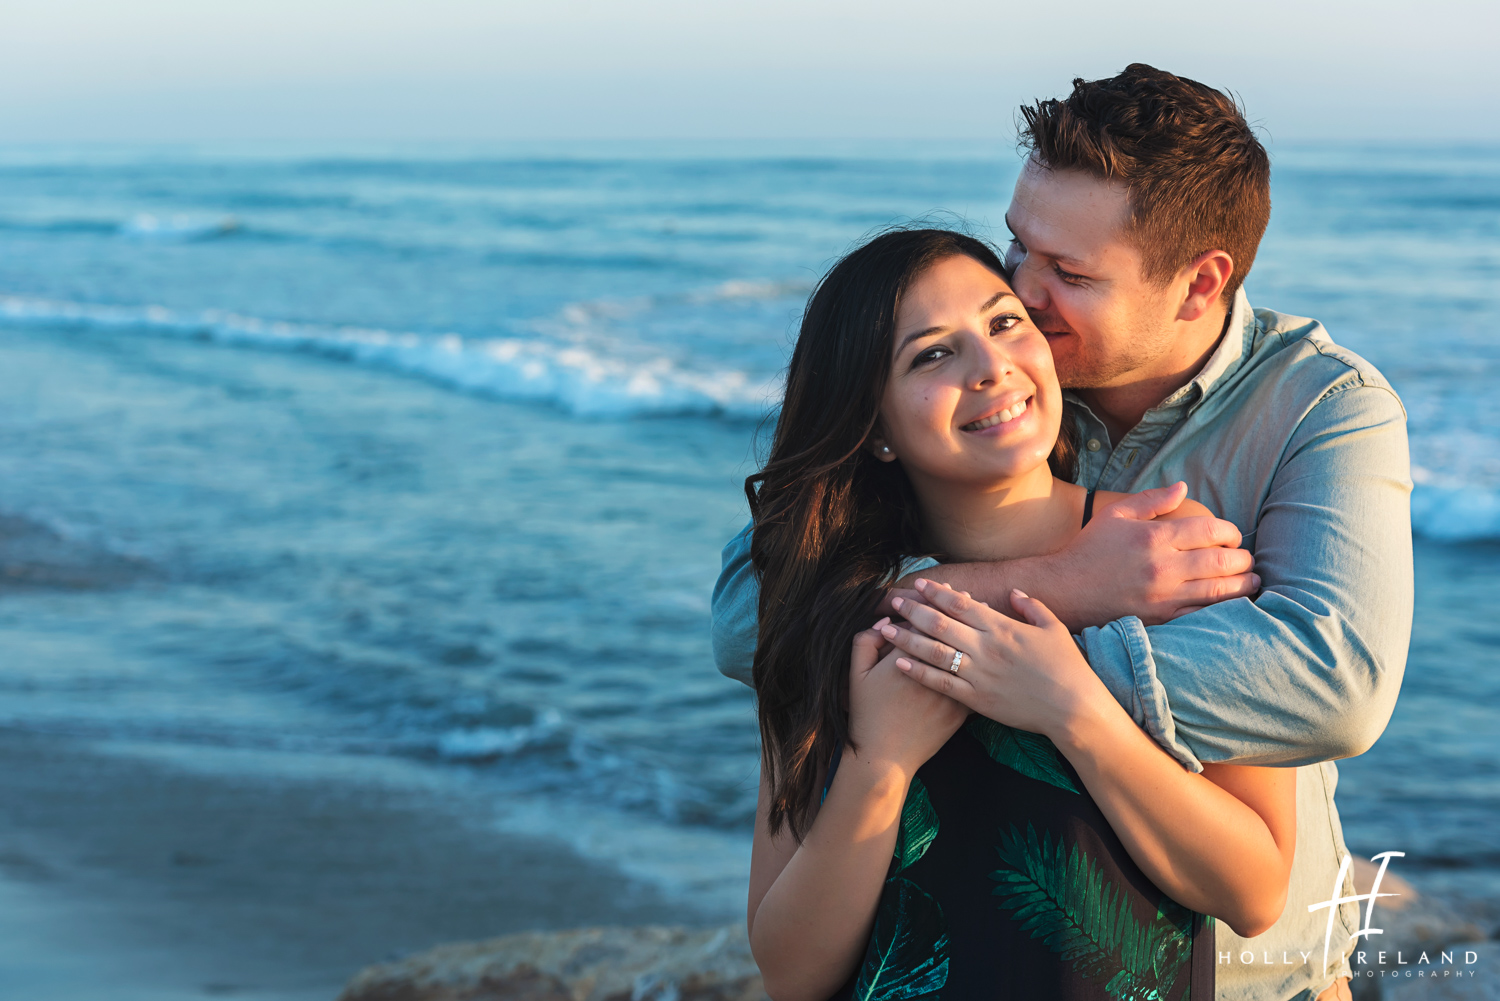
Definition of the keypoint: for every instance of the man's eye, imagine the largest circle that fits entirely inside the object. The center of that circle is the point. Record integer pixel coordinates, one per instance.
(1014, 254)
(1003, 322)
(1069, 276)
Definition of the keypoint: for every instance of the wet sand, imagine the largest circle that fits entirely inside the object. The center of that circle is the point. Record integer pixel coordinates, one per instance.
(126, 873)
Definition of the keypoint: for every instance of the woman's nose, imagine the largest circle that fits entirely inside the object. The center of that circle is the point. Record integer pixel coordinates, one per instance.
(991, 366)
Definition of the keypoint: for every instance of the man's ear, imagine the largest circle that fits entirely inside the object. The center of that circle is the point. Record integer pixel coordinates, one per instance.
(1206, 275)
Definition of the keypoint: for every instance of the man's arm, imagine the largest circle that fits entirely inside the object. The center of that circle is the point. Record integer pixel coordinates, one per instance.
(1122, 563)
(1310, 669)
(1130, 560)
(736, 607)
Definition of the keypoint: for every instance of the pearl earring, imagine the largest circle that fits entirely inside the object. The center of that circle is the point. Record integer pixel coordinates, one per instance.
(886, 449)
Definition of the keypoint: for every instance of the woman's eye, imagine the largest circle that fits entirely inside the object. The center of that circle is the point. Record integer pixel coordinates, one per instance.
(1069, 276)
(930, 355)
(1003, 322)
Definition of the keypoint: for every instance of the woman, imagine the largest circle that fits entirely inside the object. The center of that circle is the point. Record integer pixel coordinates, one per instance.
(1044, 847)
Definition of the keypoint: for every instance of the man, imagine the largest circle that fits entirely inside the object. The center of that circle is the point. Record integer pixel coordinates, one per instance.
(1135, 220)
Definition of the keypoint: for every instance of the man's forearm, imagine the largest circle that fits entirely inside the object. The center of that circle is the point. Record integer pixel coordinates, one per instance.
(1045, 578)
(1310, 670)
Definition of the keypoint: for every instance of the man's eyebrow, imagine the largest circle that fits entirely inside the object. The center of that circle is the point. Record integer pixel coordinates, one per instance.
(988, 305)
(1062, 258)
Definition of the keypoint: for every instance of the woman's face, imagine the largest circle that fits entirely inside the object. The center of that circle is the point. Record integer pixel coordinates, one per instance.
(972, 395)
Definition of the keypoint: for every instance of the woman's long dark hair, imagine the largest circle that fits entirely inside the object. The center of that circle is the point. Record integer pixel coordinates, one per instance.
(832, 522)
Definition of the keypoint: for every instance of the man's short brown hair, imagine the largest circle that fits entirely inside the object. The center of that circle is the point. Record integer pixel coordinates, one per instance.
(1197, 177)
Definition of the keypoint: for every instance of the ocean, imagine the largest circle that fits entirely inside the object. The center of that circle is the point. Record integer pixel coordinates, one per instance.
(427, 455)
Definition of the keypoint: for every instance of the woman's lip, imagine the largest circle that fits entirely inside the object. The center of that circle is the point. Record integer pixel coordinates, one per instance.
(1030, 403)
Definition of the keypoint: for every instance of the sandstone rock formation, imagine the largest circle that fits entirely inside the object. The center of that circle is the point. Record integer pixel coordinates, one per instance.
(591, 964)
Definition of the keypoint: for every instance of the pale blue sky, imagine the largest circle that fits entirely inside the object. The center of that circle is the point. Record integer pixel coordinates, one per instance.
(207, 70)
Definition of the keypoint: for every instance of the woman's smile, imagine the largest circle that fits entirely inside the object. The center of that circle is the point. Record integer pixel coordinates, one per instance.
(1001, 421)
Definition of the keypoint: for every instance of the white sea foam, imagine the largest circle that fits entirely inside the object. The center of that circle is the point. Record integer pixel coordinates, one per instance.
(486, 743)
(1451, 511)
(178, 228)
(704, 868)
(575, 377)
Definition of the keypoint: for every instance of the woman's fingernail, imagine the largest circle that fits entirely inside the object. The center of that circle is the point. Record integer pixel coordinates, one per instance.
(1018, 591)
(1255, 580)
(883, 622)
(922, 584)
(903, 663)
(897, 602)
(889, 632)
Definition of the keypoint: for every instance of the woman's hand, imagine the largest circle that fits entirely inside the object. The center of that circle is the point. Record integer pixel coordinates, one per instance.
(890, 718)
(1221, 843)
(1029, 675)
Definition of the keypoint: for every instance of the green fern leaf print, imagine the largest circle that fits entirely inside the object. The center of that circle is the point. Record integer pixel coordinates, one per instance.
(1031, 754)
(919, 825)
(908, 952)
(1062, 897)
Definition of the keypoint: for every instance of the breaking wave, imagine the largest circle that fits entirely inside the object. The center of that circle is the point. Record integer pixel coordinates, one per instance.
(575, 377)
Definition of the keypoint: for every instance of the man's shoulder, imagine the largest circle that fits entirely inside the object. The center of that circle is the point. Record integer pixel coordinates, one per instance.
(1298, 353)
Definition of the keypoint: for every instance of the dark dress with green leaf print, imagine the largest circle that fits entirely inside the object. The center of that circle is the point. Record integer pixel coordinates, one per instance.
(1008, 883)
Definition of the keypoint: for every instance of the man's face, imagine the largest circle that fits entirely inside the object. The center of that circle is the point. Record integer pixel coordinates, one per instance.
(1079, 275)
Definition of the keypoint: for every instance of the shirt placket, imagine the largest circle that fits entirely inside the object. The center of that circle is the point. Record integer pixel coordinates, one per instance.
(1105, 467)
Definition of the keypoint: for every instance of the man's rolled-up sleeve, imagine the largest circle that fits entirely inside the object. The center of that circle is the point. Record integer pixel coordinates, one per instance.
(736, 605)
(1308, 671)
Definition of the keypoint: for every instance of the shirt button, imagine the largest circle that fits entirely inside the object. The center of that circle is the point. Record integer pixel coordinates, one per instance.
(1093, 445)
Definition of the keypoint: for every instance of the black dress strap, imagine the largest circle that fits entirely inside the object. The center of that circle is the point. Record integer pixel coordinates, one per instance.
(1088, 508)
(833, 766)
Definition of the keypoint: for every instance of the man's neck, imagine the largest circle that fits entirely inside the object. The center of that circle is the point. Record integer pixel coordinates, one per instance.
(1121, 407)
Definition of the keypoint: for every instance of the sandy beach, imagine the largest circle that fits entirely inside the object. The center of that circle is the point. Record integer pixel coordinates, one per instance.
(125, 876)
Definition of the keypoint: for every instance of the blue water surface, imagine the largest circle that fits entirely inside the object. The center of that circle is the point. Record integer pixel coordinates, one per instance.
(430, 453)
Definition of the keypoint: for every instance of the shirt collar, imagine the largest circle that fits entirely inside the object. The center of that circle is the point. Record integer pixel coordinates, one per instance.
(1239, 331)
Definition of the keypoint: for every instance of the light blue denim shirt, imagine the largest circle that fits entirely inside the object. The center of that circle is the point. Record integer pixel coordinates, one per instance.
(1302, 445)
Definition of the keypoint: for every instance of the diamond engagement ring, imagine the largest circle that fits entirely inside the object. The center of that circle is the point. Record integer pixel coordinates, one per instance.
(958, 658)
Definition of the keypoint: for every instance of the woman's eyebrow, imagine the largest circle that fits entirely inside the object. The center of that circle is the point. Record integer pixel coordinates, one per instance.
(990, 302)
(988, 305)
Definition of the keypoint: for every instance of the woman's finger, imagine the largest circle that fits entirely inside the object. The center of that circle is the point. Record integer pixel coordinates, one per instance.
(958, 605)
(1032, 609)
(867, 647)
(939, 626)
(922, 647)
(944, 682)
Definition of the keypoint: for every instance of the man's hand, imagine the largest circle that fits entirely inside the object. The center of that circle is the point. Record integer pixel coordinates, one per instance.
(1129, 560)
(1139, 564)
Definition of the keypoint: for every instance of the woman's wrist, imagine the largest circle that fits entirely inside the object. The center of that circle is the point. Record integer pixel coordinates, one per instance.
(876, 781)
(1086, 721)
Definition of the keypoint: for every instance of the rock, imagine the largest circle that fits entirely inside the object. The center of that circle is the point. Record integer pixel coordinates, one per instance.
(591, 964)
(1477, 981)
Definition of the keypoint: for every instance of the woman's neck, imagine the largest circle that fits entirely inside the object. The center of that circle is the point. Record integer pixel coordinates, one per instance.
(1034, 513)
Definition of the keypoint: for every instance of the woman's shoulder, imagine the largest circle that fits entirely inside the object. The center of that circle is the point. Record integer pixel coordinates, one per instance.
(1189, 508)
